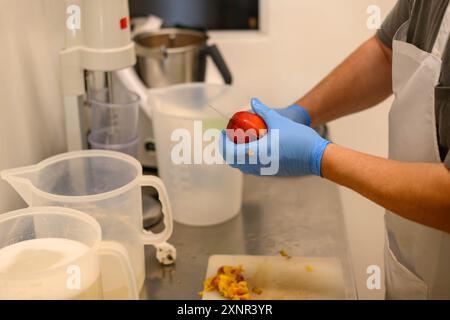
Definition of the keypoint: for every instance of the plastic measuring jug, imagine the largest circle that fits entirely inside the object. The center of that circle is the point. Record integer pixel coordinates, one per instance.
(55, 253)
(107, 186)
(114, 124)
(202, 193)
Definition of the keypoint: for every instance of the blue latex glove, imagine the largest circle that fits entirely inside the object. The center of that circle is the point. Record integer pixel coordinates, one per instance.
(296, 113)
(299, 150)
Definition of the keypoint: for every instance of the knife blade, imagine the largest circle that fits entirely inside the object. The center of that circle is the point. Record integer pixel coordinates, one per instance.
(219, 112)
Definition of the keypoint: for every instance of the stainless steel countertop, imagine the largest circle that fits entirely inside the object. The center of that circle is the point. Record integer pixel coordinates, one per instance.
(300, 215)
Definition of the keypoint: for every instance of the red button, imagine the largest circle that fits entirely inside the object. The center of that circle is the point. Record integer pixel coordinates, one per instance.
(123, 23)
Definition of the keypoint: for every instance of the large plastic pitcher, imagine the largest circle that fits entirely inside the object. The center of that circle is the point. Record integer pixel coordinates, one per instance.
(201, 194)
(106, 185)
(55, 253)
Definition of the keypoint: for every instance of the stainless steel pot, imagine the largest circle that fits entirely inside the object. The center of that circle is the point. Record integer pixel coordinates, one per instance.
(172, 56)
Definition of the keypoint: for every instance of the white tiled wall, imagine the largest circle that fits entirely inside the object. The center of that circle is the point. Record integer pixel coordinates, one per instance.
(31, 110)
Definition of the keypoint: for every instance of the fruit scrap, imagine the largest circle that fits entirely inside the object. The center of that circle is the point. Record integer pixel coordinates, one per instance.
(258, 291)
(284, 254)
(229, 282)
(309, 269)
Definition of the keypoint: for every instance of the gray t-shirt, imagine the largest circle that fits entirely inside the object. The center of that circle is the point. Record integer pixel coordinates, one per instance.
(425, 21)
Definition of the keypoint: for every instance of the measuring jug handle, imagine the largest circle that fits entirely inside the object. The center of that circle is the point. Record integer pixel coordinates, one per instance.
(149, 237)
(108, 248)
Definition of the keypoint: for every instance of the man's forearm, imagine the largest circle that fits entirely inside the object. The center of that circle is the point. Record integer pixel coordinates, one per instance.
(363, 80)
(416, 191)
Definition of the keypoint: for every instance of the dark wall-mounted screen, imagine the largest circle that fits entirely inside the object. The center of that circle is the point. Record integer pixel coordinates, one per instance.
(201, 14)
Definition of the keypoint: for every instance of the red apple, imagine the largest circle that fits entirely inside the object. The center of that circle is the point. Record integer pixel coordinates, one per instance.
(245, 127)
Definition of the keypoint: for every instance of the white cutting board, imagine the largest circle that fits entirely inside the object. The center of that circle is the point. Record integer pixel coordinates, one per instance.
(279, 278)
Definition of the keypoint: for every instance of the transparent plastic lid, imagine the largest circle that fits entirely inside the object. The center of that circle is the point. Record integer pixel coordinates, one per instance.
(194, 101)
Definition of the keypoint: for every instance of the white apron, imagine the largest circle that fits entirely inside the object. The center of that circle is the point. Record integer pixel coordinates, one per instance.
(417, 258)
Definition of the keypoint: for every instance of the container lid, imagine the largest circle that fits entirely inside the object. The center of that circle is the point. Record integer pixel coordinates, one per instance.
(194, 101)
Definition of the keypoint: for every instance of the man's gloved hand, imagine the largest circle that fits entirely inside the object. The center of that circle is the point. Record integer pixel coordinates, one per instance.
(296, 113)
(297, 147)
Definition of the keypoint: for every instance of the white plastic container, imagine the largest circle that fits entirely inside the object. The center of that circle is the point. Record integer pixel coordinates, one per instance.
(55, 253)
(107, 186)
(201, 194)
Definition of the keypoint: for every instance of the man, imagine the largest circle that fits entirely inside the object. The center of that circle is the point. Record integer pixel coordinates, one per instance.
(410, 57)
